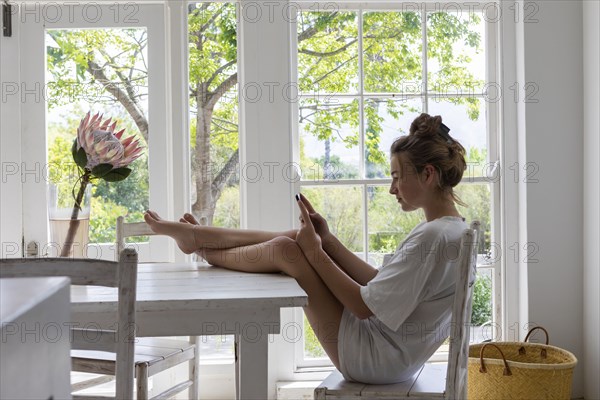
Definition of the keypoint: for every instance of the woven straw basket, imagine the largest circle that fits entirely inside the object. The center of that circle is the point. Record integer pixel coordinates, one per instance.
(519, 370)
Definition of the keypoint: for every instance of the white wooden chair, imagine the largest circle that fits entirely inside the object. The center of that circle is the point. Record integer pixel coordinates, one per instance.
(154, 355)
(121, 275)
(447, 381)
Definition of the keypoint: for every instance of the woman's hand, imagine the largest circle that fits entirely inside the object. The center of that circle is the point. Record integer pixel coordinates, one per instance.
(307, 237)
(319, 223)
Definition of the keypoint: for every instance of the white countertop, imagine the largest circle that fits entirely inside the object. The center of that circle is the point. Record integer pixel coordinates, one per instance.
(18, 295)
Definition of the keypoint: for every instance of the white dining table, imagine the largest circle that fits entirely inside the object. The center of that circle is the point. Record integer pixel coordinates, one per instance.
(194, 299)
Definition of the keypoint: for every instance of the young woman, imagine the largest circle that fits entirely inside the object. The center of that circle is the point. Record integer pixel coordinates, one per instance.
(376, 325)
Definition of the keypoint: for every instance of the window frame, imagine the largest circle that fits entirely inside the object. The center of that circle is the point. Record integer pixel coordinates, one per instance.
(33, 69)
(493, 137)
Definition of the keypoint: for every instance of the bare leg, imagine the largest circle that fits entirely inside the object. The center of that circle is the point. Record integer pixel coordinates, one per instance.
(191, 237)
(282, 254)
(273, 254)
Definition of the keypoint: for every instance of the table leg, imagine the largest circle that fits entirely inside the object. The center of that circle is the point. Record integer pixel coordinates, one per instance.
(252, 367)
(236, 352)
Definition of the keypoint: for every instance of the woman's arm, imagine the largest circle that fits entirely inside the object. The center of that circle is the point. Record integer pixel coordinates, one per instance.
(343, 287)
(353, 265)
(361, 271)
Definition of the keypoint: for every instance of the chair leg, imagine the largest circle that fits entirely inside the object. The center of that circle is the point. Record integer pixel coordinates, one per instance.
(141, 373)
(194, 374)
(236, 349)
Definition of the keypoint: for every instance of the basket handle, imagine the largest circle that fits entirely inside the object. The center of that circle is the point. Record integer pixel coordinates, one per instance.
(482, 367)
(543, 351)
(533, 329)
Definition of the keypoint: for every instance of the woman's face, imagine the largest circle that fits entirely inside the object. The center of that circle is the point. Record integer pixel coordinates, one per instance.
(406, 183)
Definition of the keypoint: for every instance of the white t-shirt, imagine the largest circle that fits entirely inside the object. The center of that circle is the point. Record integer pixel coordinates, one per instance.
(411, 298)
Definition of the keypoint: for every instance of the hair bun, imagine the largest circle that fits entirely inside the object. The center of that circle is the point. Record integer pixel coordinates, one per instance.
(425, 125)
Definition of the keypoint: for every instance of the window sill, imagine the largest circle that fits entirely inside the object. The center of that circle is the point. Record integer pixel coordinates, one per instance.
(315, 369)
(298, 390)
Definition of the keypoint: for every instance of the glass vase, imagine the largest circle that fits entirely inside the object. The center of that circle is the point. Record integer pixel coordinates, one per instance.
(60, 210)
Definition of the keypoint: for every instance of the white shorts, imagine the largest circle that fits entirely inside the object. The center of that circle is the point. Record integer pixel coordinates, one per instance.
(367, 356)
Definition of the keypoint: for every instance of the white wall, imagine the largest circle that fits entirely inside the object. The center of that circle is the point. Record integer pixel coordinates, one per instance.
(591, 201)
(10, 148)
(553, 60)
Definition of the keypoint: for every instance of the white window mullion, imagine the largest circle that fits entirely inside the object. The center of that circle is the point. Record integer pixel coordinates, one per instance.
(361, 100)
(264, 67)
(493, 123)
(424, 61)
(365, 221)
(362, 133)
(178, 106)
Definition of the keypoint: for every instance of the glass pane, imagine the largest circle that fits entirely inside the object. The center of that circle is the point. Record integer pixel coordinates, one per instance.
(329, 139)
(477, 197)
(466, 118)
(392, 52)
(312, 346)
(455, 51)
(217, 347)
(105, 71)
(341, 206)
(385, 121)
(327, 52)
(483, 326)
(214, 113)
(388, 225)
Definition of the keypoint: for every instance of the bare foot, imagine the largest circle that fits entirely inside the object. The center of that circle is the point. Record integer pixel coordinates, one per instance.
(189, 219)
(183, 233)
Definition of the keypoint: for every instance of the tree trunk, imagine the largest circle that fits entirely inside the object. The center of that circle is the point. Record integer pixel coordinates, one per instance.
(204, 207)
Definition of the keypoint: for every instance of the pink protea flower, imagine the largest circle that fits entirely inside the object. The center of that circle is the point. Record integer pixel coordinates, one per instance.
(101, 151)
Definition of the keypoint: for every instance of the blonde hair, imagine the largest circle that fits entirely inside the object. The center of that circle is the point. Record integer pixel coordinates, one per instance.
(429, 143)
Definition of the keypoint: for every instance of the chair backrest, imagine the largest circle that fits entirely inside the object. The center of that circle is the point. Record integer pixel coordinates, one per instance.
(456, 378)
(121, 275)
(129, 229)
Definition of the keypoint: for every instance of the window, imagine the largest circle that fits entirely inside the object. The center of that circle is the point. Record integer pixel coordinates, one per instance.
(104, 71)
(98, 58)
(364, 75)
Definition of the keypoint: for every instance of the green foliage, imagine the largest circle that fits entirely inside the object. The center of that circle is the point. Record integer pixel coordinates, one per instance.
(482, 300)
(70, 54)
(327, 52)
(392, 58)
(312, 346)
(445, 31)
(341, 207)
(478, 199)
(392, 49)
(131, 192)
(213, 43)
(388, 224)
(227, 214)
(103, 219)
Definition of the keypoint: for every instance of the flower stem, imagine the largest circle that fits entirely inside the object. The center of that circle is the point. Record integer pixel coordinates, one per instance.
(74, 224)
